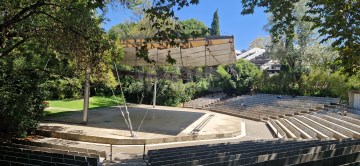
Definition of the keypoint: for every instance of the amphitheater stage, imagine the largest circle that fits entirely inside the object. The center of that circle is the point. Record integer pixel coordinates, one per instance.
(160, 125)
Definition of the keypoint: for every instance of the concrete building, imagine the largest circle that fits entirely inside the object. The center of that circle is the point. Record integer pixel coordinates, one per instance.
(257, 56)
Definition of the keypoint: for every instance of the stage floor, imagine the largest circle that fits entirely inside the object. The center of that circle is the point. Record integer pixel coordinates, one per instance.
(160, 122)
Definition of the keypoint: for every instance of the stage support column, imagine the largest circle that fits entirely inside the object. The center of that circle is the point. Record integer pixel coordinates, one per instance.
(86, 96)
(154, 98)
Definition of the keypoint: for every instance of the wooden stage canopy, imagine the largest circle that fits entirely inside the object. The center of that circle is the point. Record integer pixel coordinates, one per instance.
(208, 51)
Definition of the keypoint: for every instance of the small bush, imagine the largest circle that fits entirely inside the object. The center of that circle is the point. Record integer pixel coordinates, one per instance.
(21, 100)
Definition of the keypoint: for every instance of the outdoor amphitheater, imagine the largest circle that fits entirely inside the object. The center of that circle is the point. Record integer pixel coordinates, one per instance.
(218, 129)
(179, 83)
(254, 129)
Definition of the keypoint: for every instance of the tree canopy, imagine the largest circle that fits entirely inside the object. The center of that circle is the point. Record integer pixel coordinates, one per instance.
(215, 25)
(46, 44)
(260, 42)
(194, 28)
(336, 21)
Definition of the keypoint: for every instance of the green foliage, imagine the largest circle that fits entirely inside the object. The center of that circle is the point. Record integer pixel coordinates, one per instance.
(246, 73)
(298, 50)
(172, 93)
(202, 85)
(336, 21)
(21, 99)
(162, 14)
(223, 72)
(122, 30)
(66, 88)
(237, 79)
(59, 38)
(339, 21)
(317, 82)
(354, 82)
(225, 81)
(282, 83)
(215, 25)
(194, 28)
(260, 42)
(321, 82)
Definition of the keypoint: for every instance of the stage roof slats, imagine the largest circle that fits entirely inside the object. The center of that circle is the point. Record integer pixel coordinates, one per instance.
(209, 51)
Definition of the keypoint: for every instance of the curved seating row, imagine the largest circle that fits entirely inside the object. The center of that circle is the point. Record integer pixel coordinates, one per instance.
(263, 152)
(25, 155)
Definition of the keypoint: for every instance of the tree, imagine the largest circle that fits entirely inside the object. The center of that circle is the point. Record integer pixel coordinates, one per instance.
(239, 78)
(138, 9)
(305, 49)
(215, 25)
(39, 31)
(34, 20)
(336, 21)
(47, 21)
(123, 30)
(260, 42)
(332, 23)
(194, 28)
(21, 98)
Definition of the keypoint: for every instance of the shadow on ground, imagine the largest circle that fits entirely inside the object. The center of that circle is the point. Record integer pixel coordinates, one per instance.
(145, 120)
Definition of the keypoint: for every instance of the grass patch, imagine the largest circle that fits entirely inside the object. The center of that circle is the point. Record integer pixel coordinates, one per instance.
(65, 106)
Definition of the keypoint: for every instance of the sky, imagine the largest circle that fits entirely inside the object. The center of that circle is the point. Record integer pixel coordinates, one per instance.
(244, 28)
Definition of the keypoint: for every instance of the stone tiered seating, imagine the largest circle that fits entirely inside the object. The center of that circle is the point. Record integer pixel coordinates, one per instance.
(19, 154)
(279, 133)
(320, 124)
(302, 128)
(204, 101)
(344, 118)
(268, 106)
(293, 133)
(310, 152)
(336, 127)
(355, 114)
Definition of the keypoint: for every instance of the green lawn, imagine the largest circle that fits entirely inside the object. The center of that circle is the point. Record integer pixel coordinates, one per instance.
(64, 106)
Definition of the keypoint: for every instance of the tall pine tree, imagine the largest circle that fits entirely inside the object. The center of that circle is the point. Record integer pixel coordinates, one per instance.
(215, 27)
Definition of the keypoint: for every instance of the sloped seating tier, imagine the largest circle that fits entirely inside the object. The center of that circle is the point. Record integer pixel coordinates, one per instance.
(296, 134)
(315, 126)
(320, 124)
(338, 128)
(355, 114)
(268, 106)
(302, 127)
(344, 118)
(17, 154)
(51, 147)
(341, 122)
(278, 131)
(276, 152)
(204, 101)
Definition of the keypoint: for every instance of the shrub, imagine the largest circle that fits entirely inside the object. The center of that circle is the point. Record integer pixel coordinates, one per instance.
(237, 79)
(320, 82)
(21, 100)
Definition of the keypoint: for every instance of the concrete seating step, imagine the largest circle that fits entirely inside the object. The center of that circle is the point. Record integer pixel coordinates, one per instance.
(260, 153)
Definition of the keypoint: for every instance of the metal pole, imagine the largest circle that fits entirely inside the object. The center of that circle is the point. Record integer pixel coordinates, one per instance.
(126, 108)
(144, 152)
(111, 154)
(154, 98)
(86, 95)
